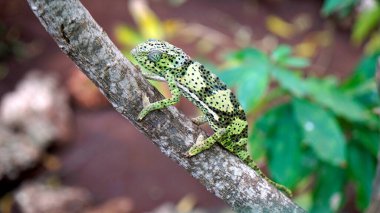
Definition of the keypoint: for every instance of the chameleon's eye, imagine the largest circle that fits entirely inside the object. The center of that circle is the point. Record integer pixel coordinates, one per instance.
(154, 56)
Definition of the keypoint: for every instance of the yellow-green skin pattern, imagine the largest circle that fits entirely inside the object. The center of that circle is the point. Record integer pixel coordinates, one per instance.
(192, 80)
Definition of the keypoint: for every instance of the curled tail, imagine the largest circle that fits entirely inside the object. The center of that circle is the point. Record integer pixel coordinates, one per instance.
(244, 156)
(280, 187)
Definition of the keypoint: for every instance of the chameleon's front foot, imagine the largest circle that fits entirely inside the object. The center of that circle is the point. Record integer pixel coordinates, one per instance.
(147, 108)
(142, 114)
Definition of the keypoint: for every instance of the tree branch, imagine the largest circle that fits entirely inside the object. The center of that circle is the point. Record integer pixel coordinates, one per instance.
(80, 37)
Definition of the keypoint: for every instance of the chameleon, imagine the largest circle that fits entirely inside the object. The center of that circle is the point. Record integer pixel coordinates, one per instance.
(219, 106)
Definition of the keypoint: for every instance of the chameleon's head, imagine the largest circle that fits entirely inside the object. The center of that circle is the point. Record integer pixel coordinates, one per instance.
(159, 56)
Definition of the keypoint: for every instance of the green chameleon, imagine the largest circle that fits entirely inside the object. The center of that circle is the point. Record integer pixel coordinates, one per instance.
(191, 79)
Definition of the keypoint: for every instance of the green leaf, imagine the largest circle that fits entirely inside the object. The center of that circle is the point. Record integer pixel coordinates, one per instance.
(331, 6)
(252, 55)
(328, 194)
(364, 71)
(282, 56)
(241, 64)
(256, 145)
(288, 160)
(284, 149)
(295, 62)
(373, 44)
(232, 76)
(309, 160)
(367, 139)
(361, 167)
(321, 132)
(266, 123)
(361, 84)
(280, 53)
(250, 75)
(368, 20)
(259, 133)
(253, 88)
(290, 81)
(339, 102)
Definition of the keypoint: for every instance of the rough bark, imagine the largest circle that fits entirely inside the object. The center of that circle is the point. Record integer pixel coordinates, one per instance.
(85, 42)
(375, 198)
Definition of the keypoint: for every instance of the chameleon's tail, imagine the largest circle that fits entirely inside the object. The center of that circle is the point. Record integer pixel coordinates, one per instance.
(248, 160)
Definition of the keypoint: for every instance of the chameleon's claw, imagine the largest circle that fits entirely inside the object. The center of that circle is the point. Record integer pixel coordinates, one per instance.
(191, 152)
(187, 154)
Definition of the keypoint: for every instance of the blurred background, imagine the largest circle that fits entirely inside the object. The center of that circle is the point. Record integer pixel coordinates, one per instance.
(303, 71)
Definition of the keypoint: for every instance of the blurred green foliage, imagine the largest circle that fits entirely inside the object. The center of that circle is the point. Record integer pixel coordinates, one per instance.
(366, 22)
(319, 135)
(341, 7)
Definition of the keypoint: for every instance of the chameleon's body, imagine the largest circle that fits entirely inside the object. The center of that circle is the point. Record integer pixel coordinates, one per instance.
(191, 79)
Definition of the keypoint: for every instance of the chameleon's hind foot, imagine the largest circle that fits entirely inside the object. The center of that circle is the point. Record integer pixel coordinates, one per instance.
(203, 144)
(198, 147)
(192, 151)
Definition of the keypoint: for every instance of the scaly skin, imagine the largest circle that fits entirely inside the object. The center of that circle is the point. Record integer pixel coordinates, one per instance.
(191, 79)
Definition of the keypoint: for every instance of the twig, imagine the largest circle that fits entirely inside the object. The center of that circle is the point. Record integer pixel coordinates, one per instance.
(80, 37)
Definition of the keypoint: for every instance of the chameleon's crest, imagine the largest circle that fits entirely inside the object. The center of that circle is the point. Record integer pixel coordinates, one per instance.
(159, 56)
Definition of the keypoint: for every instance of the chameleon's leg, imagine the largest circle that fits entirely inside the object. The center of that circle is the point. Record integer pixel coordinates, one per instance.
(202, 145)
(163, 103)
(199, 120)
(243, 154)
